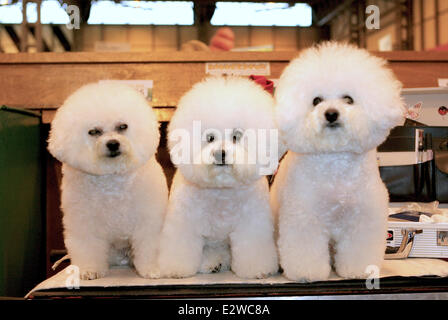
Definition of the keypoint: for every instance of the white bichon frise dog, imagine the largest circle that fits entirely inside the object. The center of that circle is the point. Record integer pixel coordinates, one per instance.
(218, 215)
(114, 192)
(335, 104)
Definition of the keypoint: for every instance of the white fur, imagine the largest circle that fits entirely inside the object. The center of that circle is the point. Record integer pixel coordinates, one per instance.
(113, 207)
(328, 191)
(219, 217)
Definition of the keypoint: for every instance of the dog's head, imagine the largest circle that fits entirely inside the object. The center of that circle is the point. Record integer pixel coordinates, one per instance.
(104, 128)
(337, 98)
(223, 133)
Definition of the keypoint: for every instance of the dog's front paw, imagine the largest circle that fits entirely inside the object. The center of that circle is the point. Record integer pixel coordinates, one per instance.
(151, 272)
(213, 264)
(177, 271)
(176, 274)
(92, 274)
(259, 272)
(358, 267)
(352, 271)
(210, 268)
(261, 275)
(254, 275)
(311, 274)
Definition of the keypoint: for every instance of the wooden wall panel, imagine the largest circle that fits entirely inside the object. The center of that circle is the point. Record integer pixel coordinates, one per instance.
(242, 37)
(140, 39)
(146, 38)
(443, 25)
(89, 38)
(166, 38)
(435, 31)
(187, 33)
(430, 35)
(115, 33)
(374, 38)
(285, 39)
(417, 38)
(427, 29)
(428, 9)
(43, 81)
(423, 74)
(45, 84)
(262, 36)
(308, 38)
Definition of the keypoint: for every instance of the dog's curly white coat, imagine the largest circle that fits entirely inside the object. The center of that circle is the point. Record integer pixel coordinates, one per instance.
(113, 206)
(219, 217)
(328, 196)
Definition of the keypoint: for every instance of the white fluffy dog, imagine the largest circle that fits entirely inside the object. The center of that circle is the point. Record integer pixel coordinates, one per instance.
(219, 214)
(335, 104)
(114, 193)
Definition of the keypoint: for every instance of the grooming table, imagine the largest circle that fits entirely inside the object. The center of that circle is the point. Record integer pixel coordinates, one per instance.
(413, 275)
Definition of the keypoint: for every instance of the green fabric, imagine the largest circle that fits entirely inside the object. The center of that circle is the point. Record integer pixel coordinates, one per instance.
(21, 214)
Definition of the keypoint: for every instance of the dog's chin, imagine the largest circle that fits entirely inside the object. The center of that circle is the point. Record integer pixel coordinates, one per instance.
(217, 170)
(117, 162)
(113, 154)
(221, 176)
(221, 166)
(334, 139)
(116, 156)
(333, 126)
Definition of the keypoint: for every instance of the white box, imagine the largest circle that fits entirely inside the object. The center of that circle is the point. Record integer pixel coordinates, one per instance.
(432, 242)
(427, 105)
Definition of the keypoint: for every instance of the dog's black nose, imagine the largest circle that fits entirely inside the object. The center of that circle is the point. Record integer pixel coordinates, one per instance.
(331, 115)
(113, 145)
(220, 157)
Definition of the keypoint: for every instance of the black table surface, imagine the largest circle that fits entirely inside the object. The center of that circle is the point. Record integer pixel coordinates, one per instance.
(390, 285)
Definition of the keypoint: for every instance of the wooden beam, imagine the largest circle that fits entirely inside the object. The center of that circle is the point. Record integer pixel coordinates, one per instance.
(436, 22)
(334, 12)
(110, 58)
(422, 25)
(203, 13)
(13, 35)
(398, 27)
(36, 31)
(353, 24)
(61, 37)
(410, 25)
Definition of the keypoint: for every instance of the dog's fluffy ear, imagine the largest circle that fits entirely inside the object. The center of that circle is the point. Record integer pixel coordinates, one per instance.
(393, 108)
(395, 116)
(59, 137)
(383, 100)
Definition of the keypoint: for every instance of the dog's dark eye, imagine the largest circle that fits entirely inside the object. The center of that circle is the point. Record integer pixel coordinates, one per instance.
(237, 134)
(95, 132)
(122, 127)
(348, 99)
(210, 137)
(317, 100)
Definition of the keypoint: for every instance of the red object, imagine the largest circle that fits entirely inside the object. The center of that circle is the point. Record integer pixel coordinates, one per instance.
(443, 111)
(443, 47)
(267, 84)
(222, 40)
